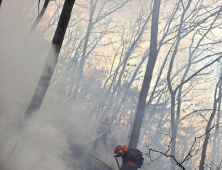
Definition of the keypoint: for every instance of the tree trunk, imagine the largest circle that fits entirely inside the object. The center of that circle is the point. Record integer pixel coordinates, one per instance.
(173, 92)
(0, 3)
(39, 16)
(83, 58)
(216, 136)
(217, 131)
(124, 66)
(147, 78)
(51, 61)
(216, 142)
(207, 130)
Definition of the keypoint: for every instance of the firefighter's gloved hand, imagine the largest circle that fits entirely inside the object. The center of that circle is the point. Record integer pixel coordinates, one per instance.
(115, 155)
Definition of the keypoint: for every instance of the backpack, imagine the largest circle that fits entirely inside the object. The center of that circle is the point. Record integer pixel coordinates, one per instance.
(136, 156)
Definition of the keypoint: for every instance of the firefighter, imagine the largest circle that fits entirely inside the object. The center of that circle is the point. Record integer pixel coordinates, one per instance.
(102, 132)
(132, 159)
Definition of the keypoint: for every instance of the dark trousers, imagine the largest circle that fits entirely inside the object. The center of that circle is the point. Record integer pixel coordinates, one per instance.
(102, 138)
(128, 168)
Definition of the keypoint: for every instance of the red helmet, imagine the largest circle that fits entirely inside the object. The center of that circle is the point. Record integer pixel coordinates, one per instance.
(120, 150)
(117, 149)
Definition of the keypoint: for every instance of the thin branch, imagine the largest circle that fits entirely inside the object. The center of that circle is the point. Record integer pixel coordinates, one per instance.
(37, 163)
(187, 157)
(9, 156)
(197, 73)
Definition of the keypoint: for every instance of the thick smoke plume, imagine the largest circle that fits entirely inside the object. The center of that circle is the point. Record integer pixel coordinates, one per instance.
(41, 142)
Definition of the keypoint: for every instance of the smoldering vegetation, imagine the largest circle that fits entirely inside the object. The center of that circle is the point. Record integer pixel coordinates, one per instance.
(99, 74)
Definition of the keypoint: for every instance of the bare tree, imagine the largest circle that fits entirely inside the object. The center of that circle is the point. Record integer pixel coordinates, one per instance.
(173, 128)
(40, 15)
(189, 154)
(216, 145)
(217, 98)
(51, 61)
(147, 78)
(124, 64)
(88, 41)
(175, 120)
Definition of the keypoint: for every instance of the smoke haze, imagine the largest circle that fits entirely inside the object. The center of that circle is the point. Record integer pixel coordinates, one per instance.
(41, 142)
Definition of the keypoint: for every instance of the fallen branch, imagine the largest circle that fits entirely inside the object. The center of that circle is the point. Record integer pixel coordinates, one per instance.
(187, 157)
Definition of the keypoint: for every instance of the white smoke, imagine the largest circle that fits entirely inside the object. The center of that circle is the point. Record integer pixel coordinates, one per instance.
(41, 142)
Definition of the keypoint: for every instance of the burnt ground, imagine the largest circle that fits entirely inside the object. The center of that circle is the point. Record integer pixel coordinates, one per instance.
(87, 161)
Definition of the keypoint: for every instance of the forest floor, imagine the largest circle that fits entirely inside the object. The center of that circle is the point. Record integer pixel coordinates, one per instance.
(84, 160)
(82, 155)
